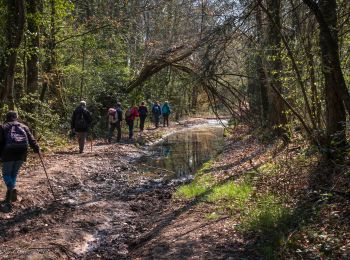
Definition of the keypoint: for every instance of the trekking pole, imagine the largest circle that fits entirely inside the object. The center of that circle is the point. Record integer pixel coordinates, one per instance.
(91, 144)
(47, 176)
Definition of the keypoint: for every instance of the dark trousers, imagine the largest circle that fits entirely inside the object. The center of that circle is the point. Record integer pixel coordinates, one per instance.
(166, 120)
(156, 120)
(81, 140)
(112, 127)
(142, 122)
(131, 128)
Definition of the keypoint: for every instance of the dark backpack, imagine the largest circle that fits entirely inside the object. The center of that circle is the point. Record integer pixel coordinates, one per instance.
(80, 122)
(156, 110)
(16, 136)
(128, 113)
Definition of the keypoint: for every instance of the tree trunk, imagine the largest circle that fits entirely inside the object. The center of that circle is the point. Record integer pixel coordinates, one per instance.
(260, 69)
(33, 7)
(335, 110)
(14, 33)
(276, 115)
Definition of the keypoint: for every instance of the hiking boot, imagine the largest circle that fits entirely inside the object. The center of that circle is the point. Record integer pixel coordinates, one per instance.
(6, 207)
(14, 195)
(8, 196)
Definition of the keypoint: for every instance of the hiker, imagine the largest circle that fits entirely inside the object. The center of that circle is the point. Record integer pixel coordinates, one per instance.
(130, 115)
(156, 111)
(14, 140)
(165, 113)
(143, 112)
(115, 117)
(81, 121)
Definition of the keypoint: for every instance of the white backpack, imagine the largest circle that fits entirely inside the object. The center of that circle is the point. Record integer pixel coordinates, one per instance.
(112, 116)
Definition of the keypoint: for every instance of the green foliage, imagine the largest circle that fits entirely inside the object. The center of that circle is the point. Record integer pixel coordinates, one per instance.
(196, 188)
(230, 191)
(271, 220)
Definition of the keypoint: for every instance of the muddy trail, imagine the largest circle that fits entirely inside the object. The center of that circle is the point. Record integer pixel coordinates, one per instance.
(106, 206)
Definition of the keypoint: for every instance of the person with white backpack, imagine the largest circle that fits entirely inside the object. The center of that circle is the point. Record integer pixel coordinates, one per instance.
(115, 117)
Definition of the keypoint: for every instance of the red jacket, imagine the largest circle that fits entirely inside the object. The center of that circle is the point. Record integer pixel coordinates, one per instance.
(134, 114)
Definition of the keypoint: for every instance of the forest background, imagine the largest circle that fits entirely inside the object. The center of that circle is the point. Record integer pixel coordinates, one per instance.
(279, 64)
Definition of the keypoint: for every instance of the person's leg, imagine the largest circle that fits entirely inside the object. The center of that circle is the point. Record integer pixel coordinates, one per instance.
(142, 122)
(15, 170)
(157, 121)
(131, 128)
(164, 117)
(111, 130)
(119, 131)
(7, 174)
(81, 140)
(167, 120)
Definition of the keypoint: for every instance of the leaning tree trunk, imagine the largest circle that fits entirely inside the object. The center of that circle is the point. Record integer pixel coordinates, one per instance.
(14, 35)
(276, 115)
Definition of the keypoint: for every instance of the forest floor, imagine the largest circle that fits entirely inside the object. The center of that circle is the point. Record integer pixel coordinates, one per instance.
(255, 200)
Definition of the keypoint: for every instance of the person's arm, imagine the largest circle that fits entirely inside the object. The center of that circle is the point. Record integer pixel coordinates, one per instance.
(120, 115)
(72, 126)
(32, 141)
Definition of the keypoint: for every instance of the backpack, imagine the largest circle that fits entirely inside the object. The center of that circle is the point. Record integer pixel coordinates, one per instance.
(156, 110)
(128, 113)
(16, 136)
(165, 110)
(112, 116)
(80, 122)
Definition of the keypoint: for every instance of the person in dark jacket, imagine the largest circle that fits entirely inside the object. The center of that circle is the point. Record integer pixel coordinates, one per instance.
(117, 124)
(80, 124)
(156, 111)
(143, 112)
(14, 140)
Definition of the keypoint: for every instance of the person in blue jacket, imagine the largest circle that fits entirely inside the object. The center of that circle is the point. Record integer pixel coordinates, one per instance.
(165, 113)
(156, 111)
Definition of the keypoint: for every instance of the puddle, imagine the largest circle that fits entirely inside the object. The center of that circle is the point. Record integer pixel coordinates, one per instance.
(180, 154)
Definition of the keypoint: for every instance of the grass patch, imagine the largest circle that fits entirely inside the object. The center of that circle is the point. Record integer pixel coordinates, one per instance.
(270, 168)
(197, 187)
(230, 191)
(271, 220)
(212, 216)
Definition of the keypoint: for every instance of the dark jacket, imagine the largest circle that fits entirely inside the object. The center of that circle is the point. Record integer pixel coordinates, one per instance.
(156, 110)
(15, 153)
(120, 113)
(80, 110)
(143, 111)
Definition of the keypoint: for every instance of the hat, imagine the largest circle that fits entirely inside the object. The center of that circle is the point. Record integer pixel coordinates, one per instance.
(83, 103)
(11, 116)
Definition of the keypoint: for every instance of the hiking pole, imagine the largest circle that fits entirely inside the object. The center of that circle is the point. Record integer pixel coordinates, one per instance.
(91, 143)
(47, 176)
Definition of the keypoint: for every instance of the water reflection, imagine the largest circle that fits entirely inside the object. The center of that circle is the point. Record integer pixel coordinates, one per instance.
(182, 153)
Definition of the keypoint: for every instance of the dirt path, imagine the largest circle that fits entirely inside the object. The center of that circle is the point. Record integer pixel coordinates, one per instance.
(108, 210)
(184, 231)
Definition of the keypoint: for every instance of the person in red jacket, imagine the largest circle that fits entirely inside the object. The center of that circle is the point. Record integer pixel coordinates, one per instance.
(130, 115)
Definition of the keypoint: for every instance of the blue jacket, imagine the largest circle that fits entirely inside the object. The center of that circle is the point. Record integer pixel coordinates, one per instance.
(156, 110)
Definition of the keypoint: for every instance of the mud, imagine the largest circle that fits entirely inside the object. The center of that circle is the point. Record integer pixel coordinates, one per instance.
(104, 205)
